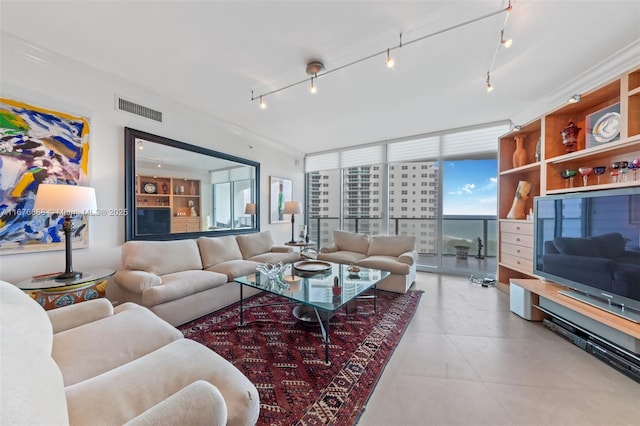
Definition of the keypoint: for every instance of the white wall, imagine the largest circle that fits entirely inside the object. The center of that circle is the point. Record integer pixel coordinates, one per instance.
(62, 84)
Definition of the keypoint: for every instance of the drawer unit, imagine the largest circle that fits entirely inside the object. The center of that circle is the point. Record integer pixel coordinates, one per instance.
(185, 224)
(516, 245)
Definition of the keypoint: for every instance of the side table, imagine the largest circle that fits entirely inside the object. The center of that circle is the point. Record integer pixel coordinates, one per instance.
(51, 294)
(304, 247)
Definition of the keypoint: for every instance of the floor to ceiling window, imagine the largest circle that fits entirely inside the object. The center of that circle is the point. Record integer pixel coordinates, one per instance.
(440, 188)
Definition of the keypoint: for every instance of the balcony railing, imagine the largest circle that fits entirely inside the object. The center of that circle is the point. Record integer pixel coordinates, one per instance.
(479, 233)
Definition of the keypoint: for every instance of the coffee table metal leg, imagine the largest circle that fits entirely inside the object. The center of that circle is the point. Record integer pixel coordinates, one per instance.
(375, 298)
(324, 328)
(241, 299)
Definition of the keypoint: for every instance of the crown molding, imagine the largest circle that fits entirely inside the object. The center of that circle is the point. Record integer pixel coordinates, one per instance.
(598, 75)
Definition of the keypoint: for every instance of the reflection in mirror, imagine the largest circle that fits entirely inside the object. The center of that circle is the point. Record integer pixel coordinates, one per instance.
(176, 190)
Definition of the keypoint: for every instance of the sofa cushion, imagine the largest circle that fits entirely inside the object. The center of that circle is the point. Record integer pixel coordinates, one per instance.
(391, 245)
(181, 284)
(161, 257)
(80, 351)
(349, 241)
(32, 388)
(610, 245)
(255, 244)
(214, 250)
(276, 257)
(385, 263)
(345, 257)
(576, 246)
(235, 268)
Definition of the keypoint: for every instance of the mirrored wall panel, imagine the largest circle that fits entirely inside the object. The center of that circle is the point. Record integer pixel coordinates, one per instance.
(175, 190)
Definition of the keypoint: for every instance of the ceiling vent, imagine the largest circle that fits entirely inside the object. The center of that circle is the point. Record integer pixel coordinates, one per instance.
(137, 109)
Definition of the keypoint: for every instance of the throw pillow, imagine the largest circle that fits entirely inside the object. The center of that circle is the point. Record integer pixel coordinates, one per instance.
(610, 245)
(348, 241)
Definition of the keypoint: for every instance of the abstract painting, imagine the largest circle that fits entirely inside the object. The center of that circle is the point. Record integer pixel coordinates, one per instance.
(38, 145)
(280, 191)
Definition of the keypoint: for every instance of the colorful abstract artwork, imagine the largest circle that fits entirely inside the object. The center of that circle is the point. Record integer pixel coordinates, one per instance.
(38, 145)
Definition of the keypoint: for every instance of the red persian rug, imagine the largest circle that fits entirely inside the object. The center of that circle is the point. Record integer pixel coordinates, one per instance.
(284, 358)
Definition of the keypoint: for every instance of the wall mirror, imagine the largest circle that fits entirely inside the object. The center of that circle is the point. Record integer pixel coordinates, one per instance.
(174, 190)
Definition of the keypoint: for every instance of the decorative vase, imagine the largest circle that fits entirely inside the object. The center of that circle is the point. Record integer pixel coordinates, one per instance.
(520, 154)
(570, 136)
(538, 150)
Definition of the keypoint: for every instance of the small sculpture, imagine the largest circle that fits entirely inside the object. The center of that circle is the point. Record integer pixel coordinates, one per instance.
(480, 246)
(520, 200)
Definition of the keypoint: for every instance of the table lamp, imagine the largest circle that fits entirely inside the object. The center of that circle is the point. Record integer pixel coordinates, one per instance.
(66, 200)
(293, 208)
(250, 209)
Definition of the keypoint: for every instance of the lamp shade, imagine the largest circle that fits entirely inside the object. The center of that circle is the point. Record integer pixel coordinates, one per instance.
(250, 208)
(63, 199)
(292, 207)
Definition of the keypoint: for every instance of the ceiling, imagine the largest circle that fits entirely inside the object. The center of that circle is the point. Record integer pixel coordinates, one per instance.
(211, 54)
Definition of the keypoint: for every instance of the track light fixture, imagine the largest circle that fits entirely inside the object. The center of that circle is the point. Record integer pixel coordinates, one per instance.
(140, 146)
(506, 43)
(316, 68)
(489, 86)
(313, 88)
(390, 61)
(574, 99)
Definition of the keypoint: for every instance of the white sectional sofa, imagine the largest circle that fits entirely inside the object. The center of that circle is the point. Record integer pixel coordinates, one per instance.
(393, 253)
(92, 364)
(185, 279)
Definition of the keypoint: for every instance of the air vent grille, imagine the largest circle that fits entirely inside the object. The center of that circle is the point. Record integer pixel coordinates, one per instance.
(141, 110)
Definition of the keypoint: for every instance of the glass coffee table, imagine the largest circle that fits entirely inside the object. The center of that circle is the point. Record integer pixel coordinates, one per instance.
(310, 285)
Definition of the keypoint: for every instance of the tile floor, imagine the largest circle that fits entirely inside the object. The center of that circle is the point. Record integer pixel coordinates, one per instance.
(467, 360)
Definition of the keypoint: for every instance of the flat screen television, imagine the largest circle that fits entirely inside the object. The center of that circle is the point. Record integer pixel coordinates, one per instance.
(153, 220)
(590, 242)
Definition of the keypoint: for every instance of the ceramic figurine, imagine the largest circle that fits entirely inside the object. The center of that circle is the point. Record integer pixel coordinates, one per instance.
(520, 154)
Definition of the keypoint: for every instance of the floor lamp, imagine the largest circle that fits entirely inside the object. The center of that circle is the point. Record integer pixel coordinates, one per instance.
(66, 200)
(293, 208)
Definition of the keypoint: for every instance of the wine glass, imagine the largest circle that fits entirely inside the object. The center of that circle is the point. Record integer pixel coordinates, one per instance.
(585, 172)
(636, 165)
(599, 170)
(568, 175)
(618, 165)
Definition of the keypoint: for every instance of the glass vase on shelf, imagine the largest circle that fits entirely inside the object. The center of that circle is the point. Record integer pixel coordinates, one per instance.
(568, 175)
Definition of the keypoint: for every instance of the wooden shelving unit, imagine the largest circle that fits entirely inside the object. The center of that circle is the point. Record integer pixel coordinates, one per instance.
(181, 196)
(544, 171)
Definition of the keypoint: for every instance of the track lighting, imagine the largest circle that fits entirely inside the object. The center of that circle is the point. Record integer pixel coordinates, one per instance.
(516, 128)
(313, 88)
(390, 61)
(503, 43)
(140, 146)
(574, 99)
(159, 165)
(316, 68)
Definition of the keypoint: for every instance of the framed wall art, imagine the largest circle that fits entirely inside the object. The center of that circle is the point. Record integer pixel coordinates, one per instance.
(603, 126)
(38, 145)
(280, 191)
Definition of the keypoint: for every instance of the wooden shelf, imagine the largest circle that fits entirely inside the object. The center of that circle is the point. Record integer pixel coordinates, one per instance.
(550, 291)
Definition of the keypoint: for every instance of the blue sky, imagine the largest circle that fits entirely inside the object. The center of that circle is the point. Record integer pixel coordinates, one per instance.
(470, 187)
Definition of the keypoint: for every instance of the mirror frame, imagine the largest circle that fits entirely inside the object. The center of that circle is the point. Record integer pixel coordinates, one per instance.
(130, 136)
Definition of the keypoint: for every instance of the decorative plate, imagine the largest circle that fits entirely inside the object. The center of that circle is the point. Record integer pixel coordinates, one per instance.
(607, 127)
(312, 266)
(150, 188)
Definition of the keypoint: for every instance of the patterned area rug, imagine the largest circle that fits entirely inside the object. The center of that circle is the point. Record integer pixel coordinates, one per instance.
(284, 358)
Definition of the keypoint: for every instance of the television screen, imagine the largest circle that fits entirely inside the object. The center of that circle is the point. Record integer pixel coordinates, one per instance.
(590, 242)
(153, 220)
